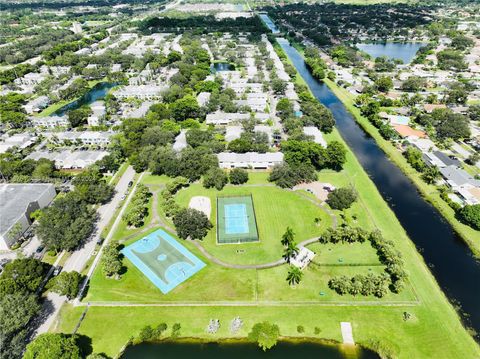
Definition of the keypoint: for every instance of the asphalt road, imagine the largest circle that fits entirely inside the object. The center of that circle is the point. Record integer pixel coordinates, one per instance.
(79, 258)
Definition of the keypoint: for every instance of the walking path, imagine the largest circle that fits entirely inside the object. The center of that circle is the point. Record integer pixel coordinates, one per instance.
(255, 303)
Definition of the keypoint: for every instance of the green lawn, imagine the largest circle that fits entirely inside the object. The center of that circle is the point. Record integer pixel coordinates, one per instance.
(275, 209)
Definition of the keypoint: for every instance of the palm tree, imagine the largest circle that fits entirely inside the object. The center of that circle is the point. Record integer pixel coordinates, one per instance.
(290, 251)
(287, 237)
(294, 275)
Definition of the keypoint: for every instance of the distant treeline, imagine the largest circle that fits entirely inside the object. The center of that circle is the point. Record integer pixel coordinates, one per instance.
(56, 4)
(206, 23)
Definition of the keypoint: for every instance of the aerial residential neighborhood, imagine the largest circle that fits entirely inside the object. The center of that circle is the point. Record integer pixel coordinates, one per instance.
(263, 179)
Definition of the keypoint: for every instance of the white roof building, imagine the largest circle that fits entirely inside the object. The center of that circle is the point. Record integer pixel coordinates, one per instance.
(36, 105)
(302, 258)
(70, 159)
(17, 202)
(253, 160)
(100, 138)
(180, 141)
(98, 113)
(21, 140)
(145, 92)
(226, 118)
(203, 98)
(50, 121)
(233, 133)
(317, 135)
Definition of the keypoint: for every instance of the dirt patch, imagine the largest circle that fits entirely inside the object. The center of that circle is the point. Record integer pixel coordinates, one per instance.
(202, 204)
(318, 189)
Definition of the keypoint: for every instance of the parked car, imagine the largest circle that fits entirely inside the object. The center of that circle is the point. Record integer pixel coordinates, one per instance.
(123, 197)
(57, 270)
(130, 184)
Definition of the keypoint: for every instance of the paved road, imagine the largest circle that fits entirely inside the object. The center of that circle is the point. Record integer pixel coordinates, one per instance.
(79, 258)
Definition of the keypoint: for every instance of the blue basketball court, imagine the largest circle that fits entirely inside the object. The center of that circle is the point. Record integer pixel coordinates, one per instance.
(163, 260)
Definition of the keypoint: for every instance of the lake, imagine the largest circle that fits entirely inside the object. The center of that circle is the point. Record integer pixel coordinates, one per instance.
(404, 51)
(97, 92)
(241, 350)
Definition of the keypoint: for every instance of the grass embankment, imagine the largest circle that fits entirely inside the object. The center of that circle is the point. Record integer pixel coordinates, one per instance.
(429, 192)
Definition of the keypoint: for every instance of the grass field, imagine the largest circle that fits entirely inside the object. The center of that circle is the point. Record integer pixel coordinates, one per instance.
(434, 330)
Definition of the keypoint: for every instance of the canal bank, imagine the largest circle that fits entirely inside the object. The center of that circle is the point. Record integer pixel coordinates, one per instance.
(446, 254)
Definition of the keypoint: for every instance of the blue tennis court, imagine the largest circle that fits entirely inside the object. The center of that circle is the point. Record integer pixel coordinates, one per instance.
(236, 218)
(163, 260)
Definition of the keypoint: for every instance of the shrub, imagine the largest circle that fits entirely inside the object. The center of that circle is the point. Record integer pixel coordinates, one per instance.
(238, 176)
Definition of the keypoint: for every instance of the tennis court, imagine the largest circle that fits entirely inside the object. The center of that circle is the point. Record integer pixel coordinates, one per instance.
(163, 260)
(236, 221)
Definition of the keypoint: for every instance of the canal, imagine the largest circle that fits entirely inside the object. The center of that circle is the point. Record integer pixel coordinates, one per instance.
(241, 350)
(449, 258)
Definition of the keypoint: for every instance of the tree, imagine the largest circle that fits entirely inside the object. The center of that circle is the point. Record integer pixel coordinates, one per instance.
(290, 251)
(474, 112)
(294, 275)
(384, 83)
(336, 155)
(215, 177)
(470, 214)
(16, 311)
(284, 108)
(186, 107)
(66, 223)
(287, 176)
(414, 84)
(67, 283)
(288, 237)
(79, 116)
(53, 345)
(238, 176)
(415, 158)
(431, 174)
(22, 274)
(341, 198)
(279, 86)
(91, 187)
(191, 223)
(264, 334)
(111, 260)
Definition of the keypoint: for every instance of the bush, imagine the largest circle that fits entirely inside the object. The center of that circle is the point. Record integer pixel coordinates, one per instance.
(470, 214)
(111, 260)
(300, 329)
(67, 283)
(238, 176)
(342, 198)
